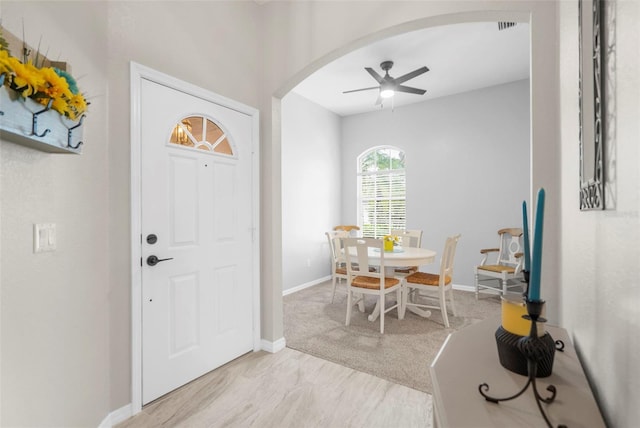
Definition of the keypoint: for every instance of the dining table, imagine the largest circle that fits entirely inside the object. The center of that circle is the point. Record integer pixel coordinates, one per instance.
(399, 257)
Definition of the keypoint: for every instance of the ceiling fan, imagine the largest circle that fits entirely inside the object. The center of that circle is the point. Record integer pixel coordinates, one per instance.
(388, 85)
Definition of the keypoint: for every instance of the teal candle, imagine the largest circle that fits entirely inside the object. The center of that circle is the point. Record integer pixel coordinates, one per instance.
(525, 226)
(536, 261)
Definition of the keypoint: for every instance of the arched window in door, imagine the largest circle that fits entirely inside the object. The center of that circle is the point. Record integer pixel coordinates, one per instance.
(381, 191)
(201, 133)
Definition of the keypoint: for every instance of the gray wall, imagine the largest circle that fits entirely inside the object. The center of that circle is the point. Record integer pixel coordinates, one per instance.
(467, 163)
(311, 188)
(467, 172)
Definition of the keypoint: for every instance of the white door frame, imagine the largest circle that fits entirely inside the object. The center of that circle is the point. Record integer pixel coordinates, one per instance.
(137, 74)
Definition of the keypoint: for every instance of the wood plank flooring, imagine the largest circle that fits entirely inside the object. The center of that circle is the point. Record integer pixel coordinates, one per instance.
(287, 389)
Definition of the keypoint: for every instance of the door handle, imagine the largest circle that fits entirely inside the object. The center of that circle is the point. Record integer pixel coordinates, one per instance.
(154, 260)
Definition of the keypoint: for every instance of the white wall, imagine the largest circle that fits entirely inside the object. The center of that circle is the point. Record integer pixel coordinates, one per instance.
(55, 306)
(600, 250)
(467, 163)
(311, 188)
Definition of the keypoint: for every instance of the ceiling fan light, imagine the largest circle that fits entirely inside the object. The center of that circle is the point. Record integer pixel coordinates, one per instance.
(386, 93)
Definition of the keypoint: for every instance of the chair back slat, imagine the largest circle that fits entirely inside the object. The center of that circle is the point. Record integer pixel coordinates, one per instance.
(448, 256)
(335, 243)
(359, 263)
(410, 237)
(510, 245)
(350, 229)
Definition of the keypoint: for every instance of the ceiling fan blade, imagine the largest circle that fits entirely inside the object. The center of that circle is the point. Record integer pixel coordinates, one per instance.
(411, 75)
(401, 88)
(363, 89)
(374, 74)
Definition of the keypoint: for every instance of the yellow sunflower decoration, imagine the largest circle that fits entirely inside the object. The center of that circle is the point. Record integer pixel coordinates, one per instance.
(42, 84)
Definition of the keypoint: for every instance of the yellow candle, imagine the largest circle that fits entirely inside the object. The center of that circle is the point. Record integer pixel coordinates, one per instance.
(513, 308)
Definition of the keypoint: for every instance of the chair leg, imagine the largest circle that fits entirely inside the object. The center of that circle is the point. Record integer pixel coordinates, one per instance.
(443, 309)
(400, 300)
(477, 286)
(333, 283)
(382, 299)
(504, 286)
(453, 303)
(348, 321)
(361, 303)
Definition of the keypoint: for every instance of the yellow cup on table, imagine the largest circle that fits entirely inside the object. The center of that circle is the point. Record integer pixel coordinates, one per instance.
(513, 308)
(389, 241)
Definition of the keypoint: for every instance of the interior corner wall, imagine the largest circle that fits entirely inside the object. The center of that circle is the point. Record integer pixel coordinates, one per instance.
(467, 166)
(55, 306)
(311, 189)
(600, 252)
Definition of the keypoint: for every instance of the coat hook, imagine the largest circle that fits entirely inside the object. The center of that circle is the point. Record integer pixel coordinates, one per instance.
(34, 125)
(70, 133)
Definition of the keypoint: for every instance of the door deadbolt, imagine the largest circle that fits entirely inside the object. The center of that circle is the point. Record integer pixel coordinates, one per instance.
(152, 239)
(154, 260)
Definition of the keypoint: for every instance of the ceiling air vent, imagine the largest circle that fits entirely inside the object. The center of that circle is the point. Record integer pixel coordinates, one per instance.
(504, 25)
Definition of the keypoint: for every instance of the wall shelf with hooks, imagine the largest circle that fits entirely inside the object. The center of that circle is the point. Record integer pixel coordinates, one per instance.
(26, 122)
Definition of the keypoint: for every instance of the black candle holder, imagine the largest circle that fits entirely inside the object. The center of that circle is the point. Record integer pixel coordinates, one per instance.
(536, 351)
(525, 275)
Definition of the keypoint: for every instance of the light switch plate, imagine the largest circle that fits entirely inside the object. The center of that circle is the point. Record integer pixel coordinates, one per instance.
(44, 237)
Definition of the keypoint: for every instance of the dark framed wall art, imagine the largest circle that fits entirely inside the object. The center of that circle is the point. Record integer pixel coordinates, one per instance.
(591, 105)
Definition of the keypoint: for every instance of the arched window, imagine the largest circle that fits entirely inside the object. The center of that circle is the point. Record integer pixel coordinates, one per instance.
(381, 191)
(200, 133)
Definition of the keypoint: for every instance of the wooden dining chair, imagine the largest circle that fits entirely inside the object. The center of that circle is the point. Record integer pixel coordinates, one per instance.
(408, 238)
(351, 229)
(422, 288)
(362, 280)
(338, 260)
(506, 267)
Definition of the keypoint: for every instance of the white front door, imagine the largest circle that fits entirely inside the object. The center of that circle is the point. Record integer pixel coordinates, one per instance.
(196, 237)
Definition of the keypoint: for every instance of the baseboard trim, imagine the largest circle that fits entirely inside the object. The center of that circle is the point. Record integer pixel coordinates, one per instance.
(273, 347)
(117, 416)
(461, 287)
(305, 285)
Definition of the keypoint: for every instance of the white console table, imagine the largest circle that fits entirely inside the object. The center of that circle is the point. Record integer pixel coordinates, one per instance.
(469, 357)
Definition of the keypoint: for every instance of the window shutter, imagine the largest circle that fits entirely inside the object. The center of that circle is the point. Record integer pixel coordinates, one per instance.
(382, 201)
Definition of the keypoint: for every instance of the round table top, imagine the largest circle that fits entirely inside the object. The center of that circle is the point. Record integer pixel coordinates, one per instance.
(402, 256)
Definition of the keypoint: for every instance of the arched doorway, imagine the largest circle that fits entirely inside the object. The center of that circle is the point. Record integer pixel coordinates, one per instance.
(406, 27)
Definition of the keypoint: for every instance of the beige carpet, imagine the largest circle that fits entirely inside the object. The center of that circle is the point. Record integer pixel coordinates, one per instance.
(403, 354)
